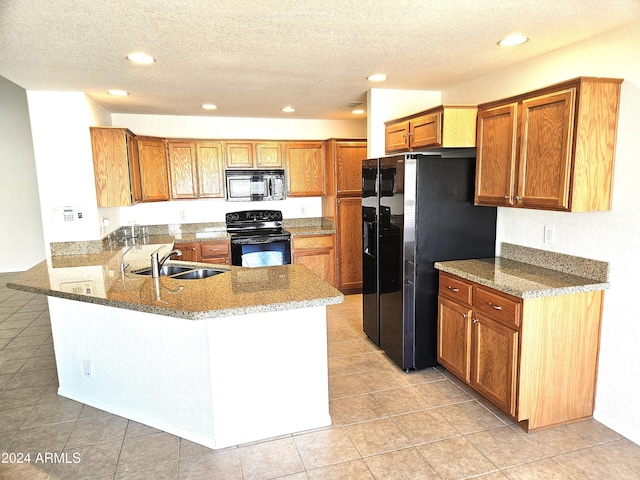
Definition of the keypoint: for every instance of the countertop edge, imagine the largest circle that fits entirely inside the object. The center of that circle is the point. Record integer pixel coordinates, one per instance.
(546, 292)
(169, 312)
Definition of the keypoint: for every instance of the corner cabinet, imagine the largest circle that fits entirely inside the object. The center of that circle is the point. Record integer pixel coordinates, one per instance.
(116, 167)
(305, 168)
(535, 358)
(196, 169)
(552, 149)
(443, 126)
(154, 173)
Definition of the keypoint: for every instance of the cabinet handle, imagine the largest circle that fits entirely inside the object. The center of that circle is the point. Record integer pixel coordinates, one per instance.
(313, 243)
(518, 198)
(507, 197)
(495, 307)
(453, 289)
(474, 320)
(465, 315)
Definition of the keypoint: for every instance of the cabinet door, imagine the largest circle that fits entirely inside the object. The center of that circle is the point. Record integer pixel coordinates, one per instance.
(396, 137)
(454, 338)
(305, 168)
(316, 252)
(190, 251)
(546, 150)
(495, 357)
(153, 170)
(349, 251)
(134, 168)
(210, 169)
(239, 154)
(349, 156)
(268, 155)
(182, 166)
(496, 155)
(426, 131)
(111, 166)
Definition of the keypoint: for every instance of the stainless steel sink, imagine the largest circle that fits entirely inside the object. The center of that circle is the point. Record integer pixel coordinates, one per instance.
(180, 272)
(198, 273)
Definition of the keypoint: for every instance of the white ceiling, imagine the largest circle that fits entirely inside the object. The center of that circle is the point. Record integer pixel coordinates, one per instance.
(253, 57)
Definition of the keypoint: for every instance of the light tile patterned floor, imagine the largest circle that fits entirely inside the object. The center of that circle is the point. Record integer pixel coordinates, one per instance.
(386, 424)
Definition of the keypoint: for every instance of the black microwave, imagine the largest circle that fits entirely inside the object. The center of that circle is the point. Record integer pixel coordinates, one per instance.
(255, 185)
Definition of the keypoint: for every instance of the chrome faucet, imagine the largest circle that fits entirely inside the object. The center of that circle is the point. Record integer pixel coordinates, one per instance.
(156, 264)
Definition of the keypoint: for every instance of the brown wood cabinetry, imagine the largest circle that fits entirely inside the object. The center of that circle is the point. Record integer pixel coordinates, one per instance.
(116, 167)
(443, 126)
(216, 251)
(305, 168)
(196, 169)
(154, 173)
(317, 253)
(550, 149)
(534, 358)
(342, 203)
(253, 154)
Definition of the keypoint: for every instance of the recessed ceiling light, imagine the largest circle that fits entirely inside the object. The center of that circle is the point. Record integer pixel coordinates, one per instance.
(288, 109)
(377, 77)
(141, 58)
(514, 39)
(357, 111)
(118, 93)
(209, 106)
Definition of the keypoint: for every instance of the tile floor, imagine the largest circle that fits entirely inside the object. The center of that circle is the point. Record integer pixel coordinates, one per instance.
(386, 424)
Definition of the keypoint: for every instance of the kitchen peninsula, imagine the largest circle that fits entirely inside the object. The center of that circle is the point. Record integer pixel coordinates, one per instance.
(176, 354)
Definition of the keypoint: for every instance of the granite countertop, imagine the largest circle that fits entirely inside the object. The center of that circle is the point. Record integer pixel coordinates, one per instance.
(527, 272)
(96, 278)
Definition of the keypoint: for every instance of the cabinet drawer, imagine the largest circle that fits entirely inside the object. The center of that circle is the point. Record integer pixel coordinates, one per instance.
(214, 249)
(455, 289)
(499, 307)
(313, 242)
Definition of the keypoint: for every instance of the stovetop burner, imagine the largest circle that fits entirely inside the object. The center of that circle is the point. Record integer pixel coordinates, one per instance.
(255, 222)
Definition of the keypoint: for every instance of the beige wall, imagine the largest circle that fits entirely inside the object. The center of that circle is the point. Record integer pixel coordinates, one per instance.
(612, 236)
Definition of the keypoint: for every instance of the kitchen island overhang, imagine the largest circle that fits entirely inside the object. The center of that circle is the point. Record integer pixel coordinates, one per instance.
(182, 366)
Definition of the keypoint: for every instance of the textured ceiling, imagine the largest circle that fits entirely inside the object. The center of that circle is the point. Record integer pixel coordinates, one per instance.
(251, 58)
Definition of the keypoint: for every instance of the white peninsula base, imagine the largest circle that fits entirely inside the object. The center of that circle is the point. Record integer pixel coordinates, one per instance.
(217, 382)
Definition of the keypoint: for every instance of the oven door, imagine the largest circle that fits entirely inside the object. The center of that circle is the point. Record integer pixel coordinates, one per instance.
(257, 251)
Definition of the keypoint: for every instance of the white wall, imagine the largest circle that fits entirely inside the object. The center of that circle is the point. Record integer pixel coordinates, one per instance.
(22, 241)
(387, 104)
(60, 128)
(612, 236)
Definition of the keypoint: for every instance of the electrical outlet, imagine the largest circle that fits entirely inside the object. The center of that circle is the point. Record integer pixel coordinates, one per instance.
(549, 234)
(303, 210)
(88, 368)
(183, 214)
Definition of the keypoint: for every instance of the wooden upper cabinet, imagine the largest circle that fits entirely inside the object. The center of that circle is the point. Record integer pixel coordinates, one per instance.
(551, 149)
(305, 168)
(196, 169)
(182, 166)
(441, 127)
(348, 166)
(115, 165)
(253, 154)
(268, 154)
(496, 155)
(209, 158)
(154, 174)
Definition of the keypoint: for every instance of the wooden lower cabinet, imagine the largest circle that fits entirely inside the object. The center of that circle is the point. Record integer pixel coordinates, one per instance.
(534, 358)
(217, 252)
(317, 253)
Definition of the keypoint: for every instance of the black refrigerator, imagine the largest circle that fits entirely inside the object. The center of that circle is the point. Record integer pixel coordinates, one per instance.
(417, 209)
